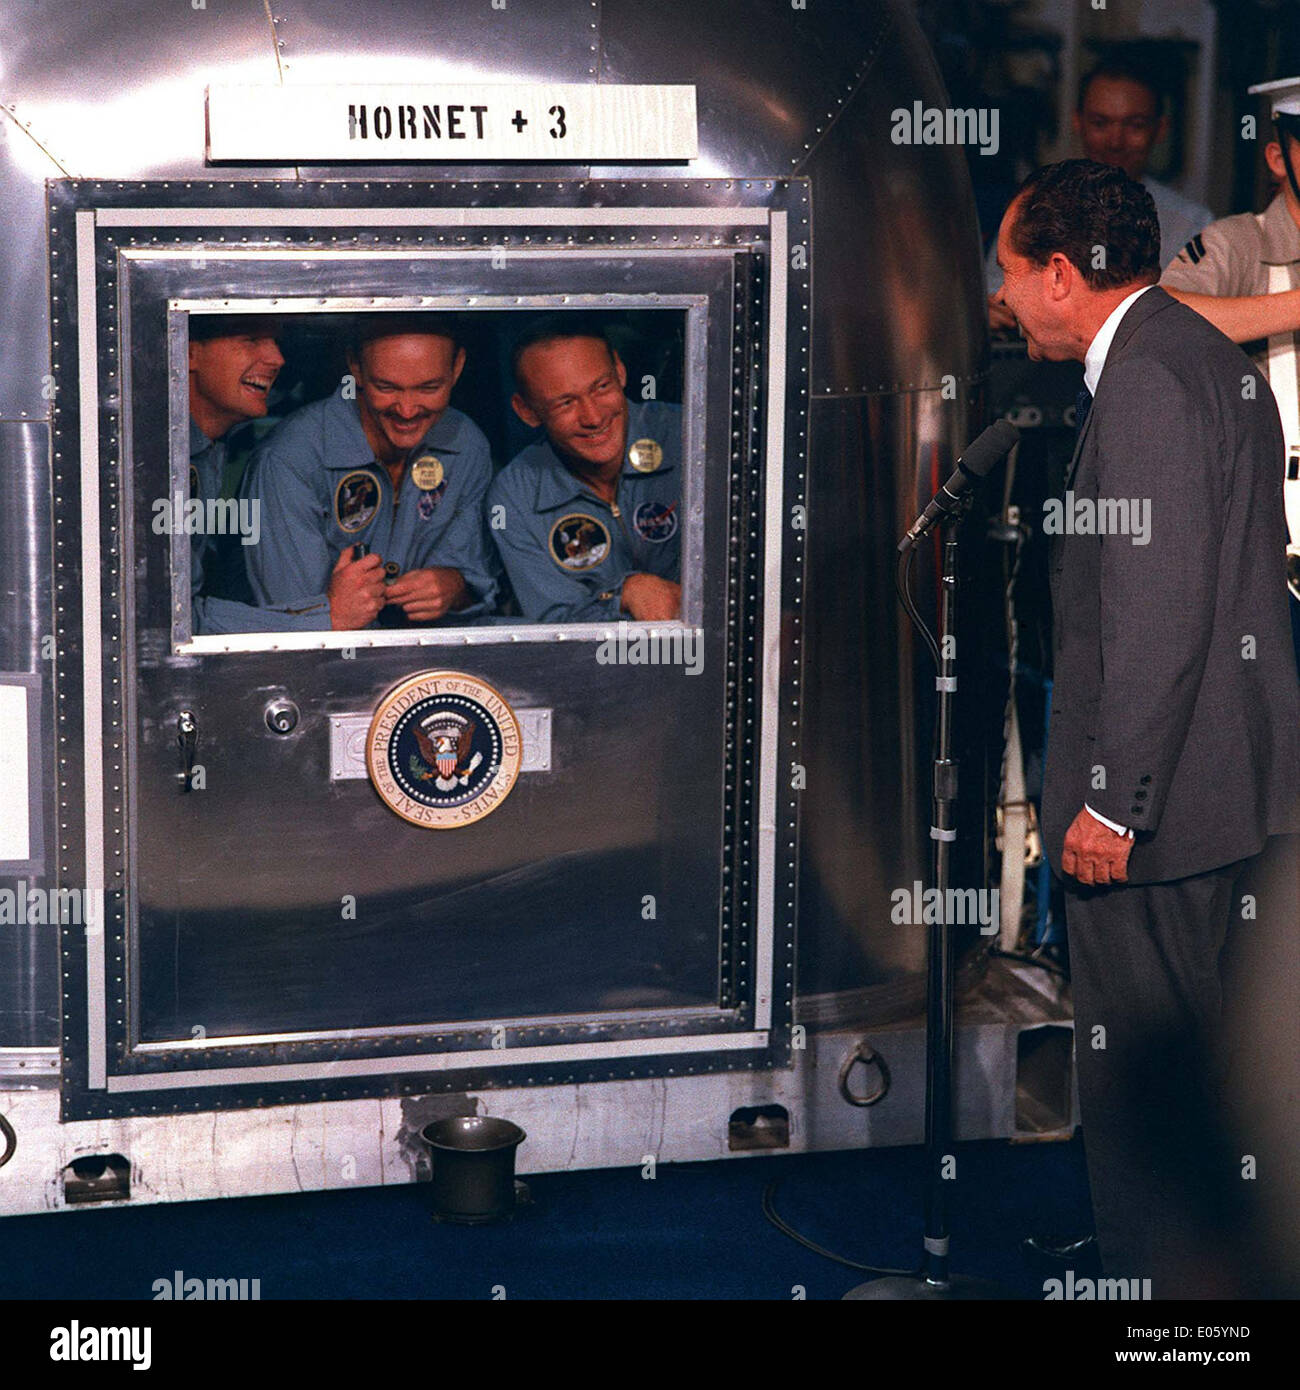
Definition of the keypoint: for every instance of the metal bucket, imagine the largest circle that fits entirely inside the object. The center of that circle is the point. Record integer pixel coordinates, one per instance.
(473, 1167)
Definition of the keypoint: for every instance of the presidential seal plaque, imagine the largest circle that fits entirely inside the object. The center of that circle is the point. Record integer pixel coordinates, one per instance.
(443, 749)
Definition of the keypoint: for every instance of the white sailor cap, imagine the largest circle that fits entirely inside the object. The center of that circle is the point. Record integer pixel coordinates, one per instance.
(1283, 95)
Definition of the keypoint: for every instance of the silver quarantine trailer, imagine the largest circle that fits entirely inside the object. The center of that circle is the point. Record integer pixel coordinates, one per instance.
(271, 962)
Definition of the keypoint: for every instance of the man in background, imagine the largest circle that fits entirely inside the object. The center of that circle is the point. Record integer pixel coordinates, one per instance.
(1243, 274)
(1119, 118)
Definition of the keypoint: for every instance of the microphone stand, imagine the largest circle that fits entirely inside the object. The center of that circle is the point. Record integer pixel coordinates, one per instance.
(936, 1280)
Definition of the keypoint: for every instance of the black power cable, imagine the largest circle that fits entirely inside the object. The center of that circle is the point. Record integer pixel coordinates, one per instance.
(902, 583)
(770, 1211)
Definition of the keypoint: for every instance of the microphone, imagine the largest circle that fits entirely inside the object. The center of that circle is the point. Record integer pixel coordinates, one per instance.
(976, 463)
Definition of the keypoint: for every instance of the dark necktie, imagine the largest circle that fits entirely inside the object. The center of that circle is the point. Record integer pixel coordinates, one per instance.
(1082, 405)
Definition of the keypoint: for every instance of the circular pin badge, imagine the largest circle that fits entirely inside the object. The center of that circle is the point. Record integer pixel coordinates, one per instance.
(356, 500)
(443, 749)
(427, 472)
(646, 455)
(579, 542)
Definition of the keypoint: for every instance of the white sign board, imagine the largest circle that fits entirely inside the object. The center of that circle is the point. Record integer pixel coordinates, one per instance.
(474, 122)
(15, 791)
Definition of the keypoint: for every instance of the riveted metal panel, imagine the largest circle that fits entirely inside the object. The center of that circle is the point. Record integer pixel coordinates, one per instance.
(140, 1038)
(114, 92)
(29, 985)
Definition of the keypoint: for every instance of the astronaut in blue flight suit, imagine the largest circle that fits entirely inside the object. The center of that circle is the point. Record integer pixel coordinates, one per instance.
(233, 363)
(396, 470)
(588, 521)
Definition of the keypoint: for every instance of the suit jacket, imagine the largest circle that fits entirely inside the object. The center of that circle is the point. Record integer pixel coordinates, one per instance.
(1175, 708)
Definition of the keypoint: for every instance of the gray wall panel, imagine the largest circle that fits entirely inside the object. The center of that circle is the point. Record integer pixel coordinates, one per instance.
(24, 305)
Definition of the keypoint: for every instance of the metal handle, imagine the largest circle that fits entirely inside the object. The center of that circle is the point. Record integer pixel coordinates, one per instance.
(865, 1054)
(187, 740)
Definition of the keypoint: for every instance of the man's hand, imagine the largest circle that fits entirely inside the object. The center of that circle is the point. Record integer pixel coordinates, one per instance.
(650, 599)
(425, 595)
(1094, 853)
(1001, 319)
(356, 591)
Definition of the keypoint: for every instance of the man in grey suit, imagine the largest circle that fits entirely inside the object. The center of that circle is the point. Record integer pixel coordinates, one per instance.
(1175, 742)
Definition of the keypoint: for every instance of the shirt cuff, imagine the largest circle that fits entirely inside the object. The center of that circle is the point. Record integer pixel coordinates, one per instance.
(301, 614)
(1110, 824)
(612, 599)
(226, 617)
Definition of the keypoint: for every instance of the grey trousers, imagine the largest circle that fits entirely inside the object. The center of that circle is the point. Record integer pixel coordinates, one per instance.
(1168, 1193)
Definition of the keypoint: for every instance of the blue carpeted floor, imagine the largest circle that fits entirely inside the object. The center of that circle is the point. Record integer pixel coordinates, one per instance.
(694, 1231)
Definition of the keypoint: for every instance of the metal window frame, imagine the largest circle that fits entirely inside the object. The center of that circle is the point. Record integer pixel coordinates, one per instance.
(695, 308)
(659, 1037)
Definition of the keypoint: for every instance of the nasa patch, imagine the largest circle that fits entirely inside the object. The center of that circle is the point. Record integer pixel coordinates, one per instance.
(356, 500)
(579, 542)
(443, 749)
(428, 503)
(654, 521)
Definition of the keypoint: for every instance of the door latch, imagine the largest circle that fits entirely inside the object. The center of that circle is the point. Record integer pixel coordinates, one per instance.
(282, 716)
(187, 739)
